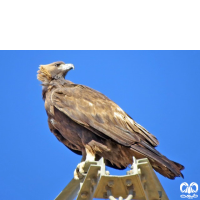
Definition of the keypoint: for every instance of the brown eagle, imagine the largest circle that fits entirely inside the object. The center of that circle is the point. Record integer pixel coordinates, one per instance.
(91, 125)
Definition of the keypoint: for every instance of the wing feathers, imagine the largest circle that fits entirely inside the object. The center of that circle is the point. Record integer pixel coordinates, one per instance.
(99, 114)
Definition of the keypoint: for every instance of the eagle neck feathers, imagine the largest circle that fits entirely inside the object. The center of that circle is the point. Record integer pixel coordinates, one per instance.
(53, 84)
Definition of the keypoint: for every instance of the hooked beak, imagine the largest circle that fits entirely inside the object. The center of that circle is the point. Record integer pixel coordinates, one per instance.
(66, 67)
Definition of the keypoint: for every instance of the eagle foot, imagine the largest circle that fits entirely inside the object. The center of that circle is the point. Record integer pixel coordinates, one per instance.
(79, 171)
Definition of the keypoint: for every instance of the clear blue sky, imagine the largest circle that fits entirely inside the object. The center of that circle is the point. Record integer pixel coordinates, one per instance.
(159, 89)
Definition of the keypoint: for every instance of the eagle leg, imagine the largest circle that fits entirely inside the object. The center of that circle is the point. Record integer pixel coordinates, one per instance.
(88, 156)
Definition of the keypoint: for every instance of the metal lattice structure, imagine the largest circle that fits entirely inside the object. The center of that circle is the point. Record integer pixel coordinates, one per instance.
(140, 183)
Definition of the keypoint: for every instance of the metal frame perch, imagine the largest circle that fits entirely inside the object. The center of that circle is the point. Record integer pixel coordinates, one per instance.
(140, 183)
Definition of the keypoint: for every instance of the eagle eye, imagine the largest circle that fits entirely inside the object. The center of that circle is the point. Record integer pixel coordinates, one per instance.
(57, 65)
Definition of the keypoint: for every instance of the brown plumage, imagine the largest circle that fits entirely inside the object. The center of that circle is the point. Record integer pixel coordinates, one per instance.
(90, 124)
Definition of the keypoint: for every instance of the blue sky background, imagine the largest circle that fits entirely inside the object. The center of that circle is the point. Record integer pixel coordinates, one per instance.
(159, 89)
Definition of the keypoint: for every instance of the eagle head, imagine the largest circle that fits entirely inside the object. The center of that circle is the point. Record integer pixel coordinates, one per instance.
(56, 70)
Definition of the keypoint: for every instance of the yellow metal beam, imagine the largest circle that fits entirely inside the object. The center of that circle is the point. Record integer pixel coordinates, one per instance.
(140, 183)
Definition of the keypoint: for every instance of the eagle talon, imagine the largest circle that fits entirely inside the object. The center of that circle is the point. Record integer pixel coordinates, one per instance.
(79, 171)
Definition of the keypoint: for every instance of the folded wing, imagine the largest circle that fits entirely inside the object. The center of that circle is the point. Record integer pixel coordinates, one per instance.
(99, 114)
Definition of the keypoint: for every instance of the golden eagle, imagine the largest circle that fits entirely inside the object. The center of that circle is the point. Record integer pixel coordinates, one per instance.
(90, 124)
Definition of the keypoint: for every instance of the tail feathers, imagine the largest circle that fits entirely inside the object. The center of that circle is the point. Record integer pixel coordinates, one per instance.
(181, 167)
(160, 163)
